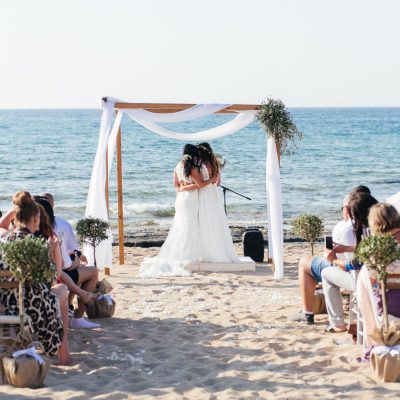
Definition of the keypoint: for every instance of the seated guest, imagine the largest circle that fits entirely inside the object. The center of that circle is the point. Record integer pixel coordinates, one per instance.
(80, 279)
(383, 218)
(342, 274)
(310, 267)
(41, 306)
(63, 226)
(58, 288)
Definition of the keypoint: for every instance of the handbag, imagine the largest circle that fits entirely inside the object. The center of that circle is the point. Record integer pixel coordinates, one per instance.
(102, 307)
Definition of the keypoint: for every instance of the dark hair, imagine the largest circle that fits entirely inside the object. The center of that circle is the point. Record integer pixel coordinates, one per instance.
(359, 205)
(45, 229)
(24, 207)
(361, 189)
(207, 156)
(47, 207)
(190, 158)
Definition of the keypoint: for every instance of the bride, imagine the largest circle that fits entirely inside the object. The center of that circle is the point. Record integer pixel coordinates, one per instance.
(182, 244)
(199, 231)
(215, 237)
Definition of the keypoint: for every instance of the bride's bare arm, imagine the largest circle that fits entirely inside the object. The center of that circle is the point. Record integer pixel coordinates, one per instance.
(190, 186)
(216, 179)
(176, 182)
(198, 179)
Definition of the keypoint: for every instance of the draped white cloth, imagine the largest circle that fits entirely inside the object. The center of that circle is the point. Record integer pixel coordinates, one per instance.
(275, 226)
(96, 201)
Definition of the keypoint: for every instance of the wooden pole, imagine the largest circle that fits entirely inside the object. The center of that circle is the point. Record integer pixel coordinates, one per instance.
(107, 270)
(120, 201)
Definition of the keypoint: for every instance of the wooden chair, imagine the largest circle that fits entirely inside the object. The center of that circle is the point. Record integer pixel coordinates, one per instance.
(12, 320)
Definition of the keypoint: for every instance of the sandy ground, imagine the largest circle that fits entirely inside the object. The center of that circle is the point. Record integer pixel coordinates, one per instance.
(209, 336)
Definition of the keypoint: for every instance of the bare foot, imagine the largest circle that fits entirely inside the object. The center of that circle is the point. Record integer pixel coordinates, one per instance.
(87, 297)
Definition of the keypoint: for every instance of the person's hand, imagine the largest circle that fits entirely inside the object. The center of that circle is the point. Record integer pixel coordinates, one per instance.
(53, 242)
(340, 264)
(330, 255)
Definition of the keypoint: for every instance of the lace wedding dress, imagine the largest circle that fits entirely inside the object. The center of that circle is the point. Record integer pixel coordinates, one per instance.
(182, 244)
(215, 240)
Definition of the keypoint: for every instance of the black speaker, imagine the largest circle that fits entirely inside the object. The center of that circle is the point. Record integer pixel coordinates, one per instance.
(253, 244)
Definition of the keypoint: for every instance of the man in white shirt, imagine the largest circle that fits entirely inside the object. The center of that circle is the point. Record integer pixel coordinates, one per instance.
(310, 268)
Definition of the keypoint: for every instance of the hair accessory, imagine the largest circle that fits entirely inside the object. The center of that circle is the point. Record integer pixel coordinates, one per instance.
(187, 157)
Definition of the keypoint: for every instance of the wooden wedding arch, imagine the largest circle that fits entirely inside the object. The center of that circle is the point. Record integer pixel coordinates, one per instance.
(156, 108)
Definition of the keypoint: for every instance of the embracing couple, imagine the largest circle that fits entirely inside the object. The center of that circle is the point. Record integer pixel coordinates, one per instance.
(199, 231)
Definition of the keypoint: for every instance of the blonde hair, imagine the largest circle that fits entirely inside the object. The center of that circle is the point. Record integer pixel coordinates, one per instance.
(25, 208)
(383, 218)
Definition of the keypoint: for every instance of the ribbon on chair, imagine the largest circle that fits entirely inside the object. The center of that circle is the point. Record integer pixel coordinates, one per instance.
(382, 350)
(30, 352)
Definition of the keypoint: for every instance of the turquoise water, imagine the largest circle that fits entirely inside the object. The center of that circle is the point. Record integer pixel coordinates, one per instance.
(53, 150)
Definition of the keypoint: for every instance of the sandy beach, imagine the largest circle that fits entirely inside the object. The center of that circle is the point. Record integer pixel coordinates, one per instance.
(209, 336)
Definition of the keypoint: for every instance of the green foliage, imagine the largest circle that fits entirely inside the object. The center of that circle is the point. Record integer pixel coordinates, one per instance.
(92, 231)
(308, 227)
(29, 259)
(377, 252)
(278, 123)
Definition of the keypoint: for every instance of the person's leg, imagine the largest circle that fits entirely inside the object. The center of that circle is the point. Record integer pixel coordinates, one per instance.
(333, 278)
(88, 277)
(75, 289)
(307, 283)
(61, 291)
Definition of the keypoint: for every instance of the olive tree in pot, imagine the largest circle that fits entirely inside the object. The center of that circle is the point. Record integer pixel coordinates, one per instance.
(377, 252)
(308, 227)
(29, 259)
(92, 231)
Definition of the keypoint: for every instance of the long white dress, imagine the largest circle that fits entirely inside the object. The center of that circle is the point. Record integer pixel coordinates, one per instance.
(182, 244)
(215, 240)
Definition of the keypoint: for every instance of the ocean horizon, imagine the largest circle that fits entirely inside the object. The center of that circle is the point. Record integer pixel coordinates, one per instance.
(52, 150)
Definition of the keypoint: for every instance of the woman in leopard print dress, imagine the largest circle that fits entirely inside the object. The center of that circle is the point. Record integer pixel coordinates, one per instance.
(40, 304)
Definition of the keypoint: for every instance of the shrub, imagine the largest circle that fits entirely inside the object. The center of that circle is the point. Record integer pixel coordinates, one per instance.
(92, 231)
(308, 227)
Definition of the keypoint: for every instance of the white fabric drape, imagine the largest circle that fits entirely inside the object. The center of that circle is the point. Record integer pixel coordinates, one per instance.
(96, 202)
(275, 228)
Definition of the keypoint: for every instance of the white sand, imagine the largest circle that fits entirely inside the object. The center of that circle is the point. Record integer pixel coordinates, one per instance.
(209, 336)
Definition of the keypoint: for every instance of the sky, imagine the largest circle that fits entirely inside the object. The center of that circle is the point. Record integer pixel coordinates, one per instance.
(308, 53)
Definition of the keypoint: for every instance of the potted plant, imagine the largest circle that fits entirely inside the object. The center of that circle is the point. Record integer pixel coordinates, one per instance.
(278, 123)
(377, 252)
(92, 231)
(308, 227)
(29, 259)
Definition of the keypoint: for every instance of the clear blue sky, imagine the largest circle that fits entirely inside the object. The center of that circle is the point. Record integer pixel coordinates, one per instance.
(306, 52)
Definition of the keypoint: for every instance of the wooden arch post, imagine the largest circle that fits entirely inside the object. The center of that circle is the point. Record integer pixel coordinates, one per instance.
(155, 108)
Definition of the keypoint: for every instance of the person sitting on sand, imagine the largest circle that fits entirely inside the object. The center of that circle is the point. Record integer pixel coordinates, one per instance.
(310, 267)
(80, 279)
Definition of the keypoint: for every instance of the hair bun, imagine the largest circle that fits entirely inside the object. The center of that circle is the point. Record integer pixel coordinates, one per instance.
(22, 199)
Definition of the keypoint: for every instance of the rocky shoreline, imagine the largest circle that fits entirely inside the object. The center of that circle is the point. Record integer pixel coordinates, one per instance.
(155, 236)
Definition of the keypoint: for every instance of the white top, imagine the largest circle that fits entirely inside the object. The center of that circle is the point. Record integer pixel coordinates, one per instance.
(343, 234)
(67, 236)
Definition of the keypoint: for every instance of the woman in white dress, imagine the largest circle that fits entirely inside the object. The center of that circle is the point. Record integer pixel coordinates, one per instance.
(215, 237)
(182, 244)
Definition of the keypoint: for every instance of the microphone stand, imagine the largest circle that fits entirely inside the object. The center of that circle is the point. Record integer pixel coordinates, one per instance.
(224, 189)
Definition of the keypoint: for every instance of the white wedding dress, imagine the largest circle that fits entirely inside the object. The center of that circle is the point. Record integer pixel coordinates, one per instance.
(182, 244)
(199, 232)
(215, 240)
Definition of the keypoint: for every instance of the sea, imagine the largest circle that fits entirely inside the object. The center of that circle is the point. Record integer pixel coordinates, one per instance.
(53, 151)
